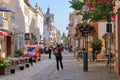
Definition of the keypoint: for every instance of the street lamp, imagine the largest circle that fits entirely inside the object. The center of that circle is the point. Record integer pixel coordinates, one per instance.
(109, 31)
(85, 33)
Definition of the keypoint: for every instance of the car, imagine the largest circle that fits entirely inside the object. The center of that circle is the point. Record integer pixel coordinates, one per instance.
(32, 50)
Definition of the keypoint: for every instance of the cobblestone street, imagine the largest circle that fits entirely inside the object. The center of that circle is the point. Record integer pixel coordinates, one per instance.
(73, 70)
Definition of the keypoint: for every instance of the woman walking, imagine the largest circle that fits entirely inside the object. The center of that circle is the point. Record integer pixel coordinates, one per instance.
(58, 55)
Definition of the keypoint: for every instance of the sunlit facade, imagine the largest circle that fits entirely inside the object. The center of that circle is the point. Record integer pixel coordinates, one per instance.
(23, 19)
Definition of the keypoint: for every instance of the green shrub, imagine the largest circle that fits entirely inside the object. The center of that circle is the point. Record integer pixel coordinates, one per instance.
(4, 64)
(96, 45)
(19, 52)
(9, 57)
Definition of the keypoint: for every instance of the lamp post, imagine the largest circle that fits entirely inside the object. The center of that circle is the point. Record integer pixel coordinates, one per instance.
(109, 31)
(85, 33)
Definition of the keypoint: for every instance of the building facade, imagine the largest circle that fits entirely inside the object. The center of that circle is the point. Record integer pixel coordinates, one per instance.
(116, 39)
(50, 31)
(23, 19)
(115, 36)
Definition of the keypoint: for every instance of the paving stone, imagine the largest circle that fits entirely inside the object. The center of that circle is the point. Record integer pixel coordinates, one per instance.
(73, 70)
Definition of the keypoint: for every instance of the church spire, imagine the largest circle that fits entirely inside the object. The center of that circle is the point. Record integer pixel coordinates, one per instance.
(48, 11)
(36, 5)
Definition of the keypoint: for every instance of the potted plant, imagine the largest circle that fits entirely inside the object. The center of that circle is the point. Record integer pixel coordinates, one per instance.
(27, 65)
(3, 65)
(12, 70)
(22, 67)
(27, 62)
(96, 47)
(19, 52)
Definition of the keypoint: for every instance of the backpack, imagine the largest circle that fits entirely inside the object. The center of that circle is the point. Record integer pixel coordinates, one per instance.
(55, 52)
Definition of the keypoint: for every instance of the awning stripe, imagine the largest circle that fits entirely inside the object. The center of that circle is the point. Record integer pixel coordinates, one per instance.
(3, 33)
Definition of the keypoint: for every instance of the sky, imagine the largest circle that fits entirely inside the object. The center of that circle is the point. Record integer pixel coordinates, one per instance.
(60, 9)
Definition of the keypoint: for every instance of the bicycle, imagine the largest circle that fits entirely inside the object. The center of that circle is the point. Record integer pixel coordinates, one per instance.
(79, 55)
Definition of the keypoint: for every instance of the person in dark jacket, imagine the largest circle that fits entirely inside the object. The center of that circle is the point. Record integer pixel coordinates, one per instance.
(50, 51)
(59, 57)
(30, 60)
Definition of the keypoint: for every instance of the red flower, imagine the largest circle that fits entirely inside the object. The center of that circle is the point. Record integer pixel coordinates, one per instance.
(87, 4)
(86, 28)
(90, 1)
(109, 3)
(112, 16)
(93, 8)
(106, 0)
(99, 1)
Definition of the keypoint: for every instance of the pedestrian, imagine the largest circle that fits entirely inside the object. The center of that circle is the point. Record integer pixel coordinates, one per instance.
(58, 54)
(46, 50)
(50, 51)
(31, 60)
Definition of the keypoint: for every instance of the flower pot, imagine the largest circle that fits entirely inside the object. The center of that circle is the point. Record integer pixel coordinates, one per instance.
(2, 70)
(38, 59)
(34, 60)
(12, 71)
(21, 67)
(27, 65)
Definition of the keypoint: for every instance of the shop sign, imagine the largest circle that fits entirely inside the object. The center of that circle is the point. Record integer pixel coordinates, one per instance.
(27, 36)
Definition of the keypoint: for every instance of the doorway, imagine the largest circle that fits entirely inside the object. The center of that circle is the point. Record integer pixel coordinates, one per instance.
(8, 45)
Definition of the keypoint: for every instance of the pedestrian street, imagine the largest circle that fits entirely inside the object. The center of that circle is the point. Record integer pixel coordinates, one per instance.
(73, 70)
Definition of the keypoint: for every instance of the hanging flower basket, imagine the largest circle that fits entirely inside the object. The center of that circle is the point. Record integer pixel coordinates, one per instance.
(86, 28)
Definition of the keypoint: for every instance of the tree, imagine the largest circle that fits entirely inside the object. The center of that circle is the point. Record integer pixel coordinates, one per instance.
(98, 9)
(96, 46)
(34, 37)
(64, 37)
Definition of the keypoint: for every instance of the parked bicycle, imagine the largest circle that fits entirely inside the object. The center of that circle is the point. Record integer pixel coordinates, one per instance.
(79, 54)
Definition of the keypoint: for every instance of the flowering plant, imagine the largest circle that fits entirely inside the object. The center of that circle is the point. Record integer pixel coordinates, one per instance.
(85, 28)
(98, 9)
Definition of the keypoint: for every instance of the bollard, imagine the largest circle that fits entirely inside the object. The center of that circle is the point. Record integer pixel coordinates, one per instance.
(85, 60)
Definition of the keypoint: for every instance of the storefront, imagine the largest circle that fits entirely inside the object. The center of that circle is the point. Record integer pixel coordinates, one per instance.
(6, 46)
(3, 36)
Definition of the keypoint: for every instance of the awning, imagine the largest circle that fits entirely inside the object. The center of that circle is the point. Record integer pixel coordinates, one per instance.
(2, 33)
(5, 9)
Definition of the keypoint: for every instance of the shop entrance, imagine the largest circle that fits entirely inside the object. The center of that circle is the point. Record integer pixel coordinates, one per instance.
(8, 45)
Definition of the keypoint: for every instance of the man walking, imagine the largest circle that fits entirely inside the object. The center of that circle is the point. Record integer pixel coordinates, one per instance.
(50, 51)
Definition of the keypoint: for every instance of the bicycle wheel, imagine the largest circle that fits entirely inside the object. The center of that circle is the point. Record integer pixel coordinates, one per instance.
(78, 57)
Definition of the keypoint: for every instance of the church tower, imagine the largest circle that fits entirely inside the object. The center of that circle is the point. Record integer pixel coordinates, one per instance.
(49, 18)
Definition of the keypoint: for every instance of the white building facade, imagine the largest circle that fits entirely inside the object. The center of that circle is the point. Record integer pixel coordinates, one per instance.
(24, 19)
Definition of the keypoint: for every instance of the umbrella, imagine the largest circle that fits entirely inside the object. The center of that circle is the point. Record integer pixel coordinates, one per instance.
(5, 9)
(2, 33)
